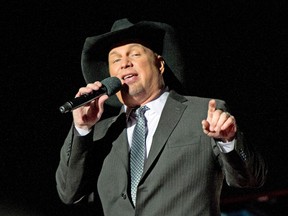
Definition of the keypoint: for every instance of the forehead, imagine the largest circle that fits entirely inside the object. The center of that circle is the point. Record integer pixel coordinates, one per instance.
(126, 47)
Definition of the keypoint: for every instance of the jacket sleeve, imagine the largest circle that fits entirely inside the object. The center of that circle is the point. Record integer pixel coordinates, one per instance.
(243, 167)
(72, 182)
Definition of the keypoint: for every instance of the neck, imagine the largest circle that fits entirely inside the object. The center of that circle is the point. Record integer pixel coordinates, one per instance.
(140, 102)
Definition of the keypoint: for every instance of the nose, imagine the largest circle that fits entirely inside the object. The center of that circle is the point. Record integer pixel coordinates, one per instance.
(125, 63)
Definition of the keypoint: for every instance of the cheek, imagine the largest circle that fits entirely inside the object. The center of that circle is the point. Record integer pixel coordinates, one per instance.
(112, 71)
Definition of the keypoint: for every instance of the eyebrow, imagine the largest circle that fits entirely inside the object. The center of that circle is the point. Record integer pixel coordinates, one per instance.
(131, 47)
(112, 53)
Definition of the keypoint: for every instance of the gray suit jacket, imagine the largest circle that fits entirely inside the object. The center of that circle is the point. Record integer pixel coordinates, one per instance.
(183, 174)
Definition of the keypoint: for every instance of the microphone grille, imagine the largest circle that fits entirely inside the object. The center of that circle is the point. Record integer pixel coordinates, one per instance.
(112, 84)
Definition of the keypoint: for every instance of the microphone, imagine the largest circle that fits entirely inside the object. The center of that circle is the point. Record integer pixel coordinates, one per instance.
(110, 86)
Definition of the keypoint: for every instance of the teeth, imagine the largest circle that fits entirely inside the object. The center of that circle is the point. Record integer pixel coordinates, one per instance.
(128, 76)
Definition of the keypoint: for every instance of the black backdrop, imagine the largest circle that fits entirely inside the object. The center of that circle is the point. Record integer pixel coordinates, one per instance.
(235, 50)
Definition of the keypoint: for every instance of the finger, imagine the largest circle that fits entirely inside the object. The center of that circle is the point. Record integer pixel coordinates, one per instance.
(83, 90)
(205, 127)
(215, 120)
(89, 88)
(211, 109)
(224, 116)
(101, 101)
(230, 122)
(95, 86)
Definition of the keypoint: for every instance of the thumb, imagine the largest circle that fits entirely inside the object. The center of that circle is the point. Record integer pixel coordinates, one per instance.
(205, 126)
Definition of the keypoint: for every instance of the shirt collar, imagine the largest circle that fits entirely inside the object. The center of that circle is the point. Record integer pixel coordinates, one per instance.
(158, 104)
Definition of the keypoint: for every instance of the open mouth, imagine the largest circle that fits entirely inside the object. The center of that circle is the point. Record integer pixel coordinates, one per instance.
(128, 76)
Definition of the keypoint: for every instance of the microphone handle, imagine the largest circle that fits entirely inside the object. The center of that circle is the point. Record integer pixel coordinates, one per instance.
(82, 100)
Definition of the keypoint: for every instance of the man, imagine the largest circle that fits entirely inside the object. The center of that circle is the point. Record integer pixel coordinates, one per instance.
(191, 143)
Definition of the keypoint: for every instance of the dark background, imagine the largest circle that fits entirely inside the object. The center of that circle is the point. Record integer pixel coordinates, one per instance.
(234, 50)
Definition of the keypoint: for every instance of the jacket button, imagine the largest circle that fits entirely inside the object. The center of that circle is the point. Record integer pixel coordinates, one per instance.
(123, 195)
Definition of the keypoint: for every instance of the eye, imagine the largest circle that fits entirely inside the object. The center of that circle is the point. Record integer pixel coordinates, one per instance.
(135, 54)
(116, 60)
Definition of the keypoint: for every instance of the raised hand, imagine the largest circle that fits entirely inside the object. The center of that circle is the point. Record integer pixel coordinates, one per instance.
(219, 124)
(86, 116)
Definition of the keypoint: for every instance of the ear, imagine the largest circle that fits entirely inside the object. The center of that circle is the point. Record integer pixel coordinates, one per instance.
(161, 64)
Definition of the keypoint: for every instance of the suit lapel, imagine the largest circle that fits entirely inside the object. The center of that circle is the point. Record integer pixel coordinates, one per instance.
(173, 108)
(114, 129)
(122, 148)
(120, 144)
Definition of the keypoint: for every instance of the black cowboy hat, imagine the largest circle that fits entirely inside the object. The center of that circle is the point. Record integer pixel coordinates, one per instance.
(159, 37)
